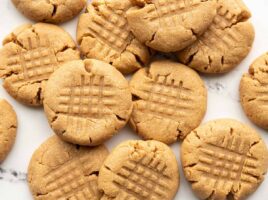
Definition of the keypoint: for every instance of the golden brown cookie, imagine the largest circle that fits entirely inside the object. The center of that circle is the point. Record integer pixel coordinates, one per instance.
(54, 11)
(170, 25)
(226, 42)
(169, 101)
(60, 170)
(87, 102)
(29, 55)
(224, 159)
(254, 91)
(8, 128)
(140, 170)
(103, 33)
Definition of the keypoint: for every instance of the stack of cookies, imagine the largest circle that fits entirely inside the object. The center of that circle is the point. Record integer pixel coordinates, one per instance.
(87, 99)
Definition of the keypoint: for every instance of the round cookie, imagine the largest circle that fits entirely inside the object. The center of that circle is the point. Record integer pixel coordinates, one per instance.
(254, 91)
(60, 170)
(226, 42)
(8, 128)
(170, 100)
(170, 25)
(53, 11)
(29, 55)
(140, 170)
(224, 159)
(87, 102)
(103, 33)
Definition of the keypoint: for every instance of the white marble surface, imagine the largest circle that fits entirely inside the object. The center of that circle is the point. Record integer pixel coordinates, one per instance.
(223, 101)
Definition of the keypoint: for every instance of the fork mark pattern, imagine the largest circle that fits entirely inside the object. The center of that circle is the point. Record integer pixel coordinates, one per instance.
(111, 31)
(169, 12)
(217, 37)
(91, 98)
(166, 99)
(143, 179)
(227, 163)
(34, 64)
(69, 181)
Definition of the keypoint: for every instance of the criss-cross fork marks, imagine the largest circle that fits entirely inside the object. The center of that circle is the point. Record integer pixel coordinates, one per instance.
(226, 163)
(169, 12)
(34, 64)
(69, 180)
(165, 99)
(91, 97)
(111, 30)
(220, 36)
(143, 179)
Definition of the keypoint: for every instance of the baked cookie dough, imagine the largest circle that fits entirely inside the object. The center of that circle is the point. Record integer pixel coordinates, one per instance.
(60, 170)
(170, 25)
(8, 128)
(225, 44)
(254, 91)
(54, 11)
(103, 33)
(29, 55)
(87, 102)
(224, 159)
(140, 170)
(170, 101)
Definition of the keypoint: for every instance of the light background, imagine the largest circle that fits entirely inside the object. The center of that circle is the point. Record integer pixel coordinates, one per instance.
(223, 102)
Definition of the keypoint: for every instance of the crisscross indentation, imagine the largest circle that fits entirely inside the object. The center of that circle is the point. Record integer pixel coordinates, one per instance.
(33, 64)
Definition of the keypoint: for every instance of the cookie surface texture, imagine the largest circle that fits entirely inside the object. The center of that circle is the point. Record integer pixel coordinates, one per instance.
(226, 42)
(53, 11)
(8, 128)
(60, 170)
(224, 159)
(104, 34)
(87, 102)
(29, 55)
(170, 101)
(140, 170)
(170, 25)
(254, 91)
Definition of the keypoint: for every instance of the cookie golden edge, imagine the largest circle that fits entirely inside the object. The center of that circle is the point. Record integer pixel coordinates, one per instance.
(192, 142)
(124, 151)
(250, 83)
(34, 177)
(10, 132)
(49, 12)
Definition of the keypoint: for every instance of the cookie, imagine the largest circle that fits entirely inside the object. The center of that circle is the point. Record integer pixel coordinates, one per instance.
(140, 170)
(170, 25)
(8, 128)
(254, 92)
(50, 11)
(29, 55)
(60, 170)
(103, 33)
(170, 101)
(87, 102)
(224, 159)
(225, 44)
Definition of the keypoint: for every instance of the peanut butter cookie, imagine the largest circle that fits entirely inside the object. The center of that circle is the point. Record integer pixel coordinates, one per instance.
(87, 102)
(254, 91)
(8, 128)
(224, 159)
(226, 42)
(170, 100)
(103, 33)
(170, 25)
(60, 170)
(29, 55)
(140, 170)
(54, 11)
